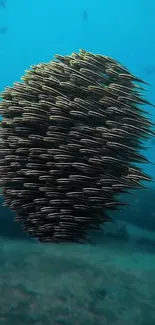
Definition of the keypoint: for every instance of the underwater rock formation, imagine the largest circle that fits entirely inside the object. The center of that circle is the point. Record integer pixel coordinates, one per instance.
(69, 139)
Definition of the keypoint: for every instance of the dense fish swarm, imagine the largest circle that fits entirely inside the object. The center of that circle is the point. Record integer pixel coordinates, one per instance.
(69, 140)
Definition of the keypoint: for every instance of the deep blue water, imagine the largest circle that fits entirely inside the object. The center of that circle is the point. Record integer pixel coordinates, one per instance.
(113, 281)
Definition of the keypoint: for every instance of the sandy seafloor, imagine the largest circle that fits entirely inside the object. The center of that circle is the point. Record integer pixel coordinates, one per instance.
(48, 284)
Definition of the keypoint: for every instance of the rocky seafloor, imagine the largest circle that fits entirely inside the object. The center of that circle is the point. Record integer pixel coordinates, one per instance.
(108, 283)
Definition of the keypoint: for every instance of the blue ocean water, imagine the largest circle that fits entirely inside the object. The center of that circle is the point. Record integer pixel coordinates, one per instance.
(111, 282)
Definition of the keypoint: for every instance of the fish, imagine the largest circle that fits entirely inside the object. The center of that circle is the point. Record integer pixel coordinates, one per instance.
(2, 3)
(150, 70)
(85, 15)
(3, 30)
